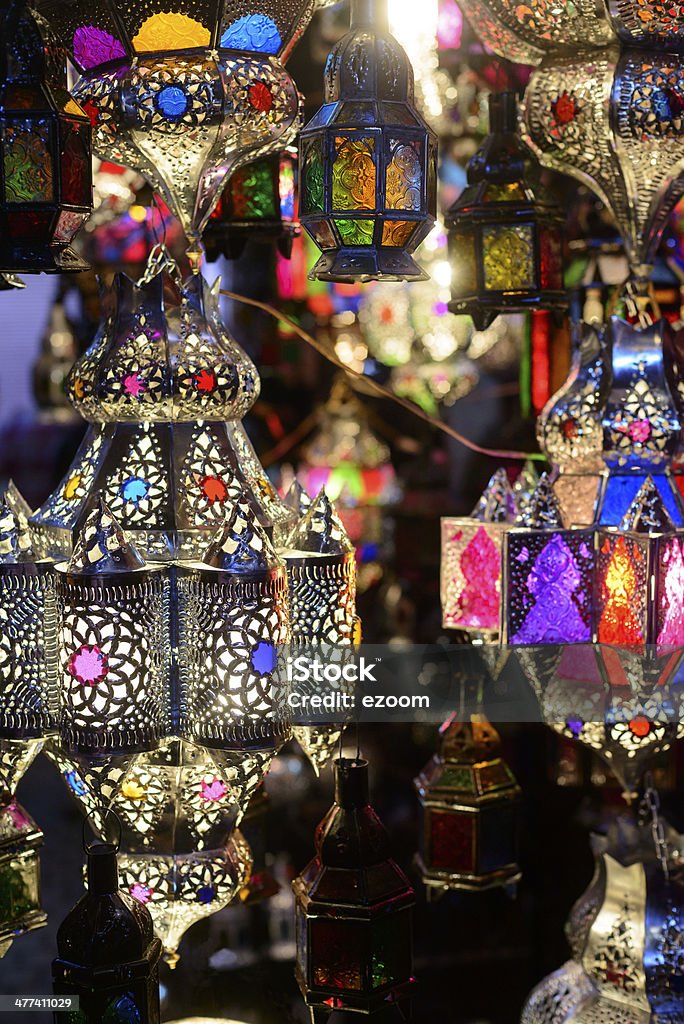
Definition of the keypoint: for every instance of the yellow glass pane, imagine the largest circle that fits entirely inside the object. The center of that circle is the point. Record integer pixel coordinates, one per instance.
(462, 259)
(508, 258)
(404, 178)
(509, 192)
(353, 175)
(171, 32)
(396, 232)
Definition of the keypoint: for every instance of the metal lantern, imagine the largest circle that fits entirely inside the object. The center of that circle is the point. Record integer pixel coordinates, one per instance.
(471, 561)
(470, 798)
(233, 621)
(367, 159)
(113, 644)
(505, 236)
(353, 907)
(258, 203)
(549, 574)
(45, 152)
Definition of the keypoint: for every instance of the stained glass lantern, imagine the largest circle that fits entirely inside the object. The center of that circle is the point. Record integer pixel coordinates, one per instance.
(640, 575)
(353, 907)
(45, 152)
(549, 573)
(471, 561)
(113, 644)
(470, 804)
(505, 236)
(367, 159)
(258, 203)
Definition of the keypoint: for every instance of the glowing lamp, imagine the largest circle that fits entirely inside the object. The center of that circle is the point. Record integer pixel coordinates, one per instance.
(20, 905)
(469, 798)
(368, 159)
(549, 575)
(258, 203)
(353, 907)
(471, 561)
(505, 237)
(45, 153)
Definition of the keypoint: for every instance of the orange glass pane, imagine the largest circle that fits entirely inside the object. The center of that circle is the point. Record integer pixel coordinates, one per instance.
(397, 232)
(171, 32)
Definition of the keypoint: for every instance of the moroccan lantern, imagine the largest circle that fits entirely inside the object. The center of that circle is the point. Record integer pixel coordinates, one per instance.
(353, 907)
(469, 798)
(45, 152)
(368, 159)
(505, 236)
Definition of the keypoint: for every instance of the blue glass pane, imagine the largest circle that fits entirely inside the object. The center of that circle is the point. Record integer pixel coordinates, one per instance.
(622, 490)
(252, 32)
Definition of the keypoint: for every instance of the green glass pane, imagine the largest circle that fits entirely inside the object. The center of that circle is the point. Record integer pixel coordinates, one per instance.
(459, 778)
(355, 232)
(313, 198)
(390, 949)
(27, 161)
(353, 174)
(253, 192)
(508, 257)
(404, 177)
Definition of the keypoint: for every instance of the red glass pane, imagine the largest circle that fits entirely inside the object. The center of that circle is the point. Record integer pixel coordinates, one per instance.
(75, 165)
(30, 227)
(338, 954)
(551, 263)
(452, 841)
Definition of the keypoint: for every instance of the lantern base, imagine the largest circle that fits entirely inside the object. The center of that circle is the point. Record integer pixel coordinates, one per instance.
(9, 282)
(42, 260)
(440, 882)
(483, 310)
(358, 265)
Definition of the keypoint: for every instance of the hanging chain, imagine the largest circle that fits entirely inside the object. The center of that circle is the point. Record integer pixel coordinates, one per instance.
(160, 261)
(651, 807)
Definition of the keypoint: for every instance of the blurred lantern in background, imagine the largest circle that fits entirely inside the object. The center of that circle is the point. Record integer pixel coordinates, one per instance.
(367, 159)
(45, 152)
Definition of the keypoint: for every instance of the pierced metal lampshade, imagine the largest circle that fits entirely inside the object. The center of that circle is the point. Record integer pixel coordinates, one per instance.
(505, 236)
(368, 159)
(257, 204)
(45, 151)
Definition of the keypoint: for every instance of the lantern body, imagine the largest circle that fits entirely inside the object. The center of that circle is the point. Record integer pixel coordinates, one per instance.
(20, 904)
(353, 908)
(505, 238)
(367, 161)
(45, 154)
(470, 799)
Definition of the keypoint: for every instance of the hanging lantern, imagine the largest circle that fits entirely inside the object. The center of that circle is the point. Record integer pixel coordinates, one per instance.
(258, 203)
(367, 159)
(113, 644)
(549, 574)
(108, 955)
(470, 803)
(353, 907)
(471, 561)
(505, 237)
(45, 154)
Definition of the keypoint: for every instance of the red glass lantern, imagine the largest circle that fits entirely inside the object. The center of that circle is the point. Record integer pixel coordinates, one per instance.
(354, 907)
(45, 153)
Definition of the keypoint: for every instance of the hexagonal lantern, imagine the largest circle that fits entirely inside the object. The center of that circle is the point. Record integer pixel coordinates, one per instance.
(505, 237)
(469, 797)
(45, 153)
(368, 159)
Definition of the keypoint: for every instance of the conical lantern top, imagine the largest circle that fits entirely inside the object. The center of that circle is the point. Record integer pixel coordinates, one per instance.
(241, 546)
(543, 511)
(15, 536)
(321, 530)
(102, 546)
(647, 513)
(497, 502)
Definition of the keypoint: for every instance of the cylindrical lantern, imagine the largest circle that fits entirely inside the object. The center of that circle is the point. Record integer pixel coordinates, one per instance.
(233, 621)
(505, 237)
(353, 907)
(470, 808)
(114, 649)
(471, 561)
(368, 159)
(45, 152)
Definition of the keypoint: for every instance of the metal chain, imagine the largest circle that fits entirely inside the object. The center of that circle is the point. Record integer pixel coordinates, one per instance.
(651, 804)
(160, 261)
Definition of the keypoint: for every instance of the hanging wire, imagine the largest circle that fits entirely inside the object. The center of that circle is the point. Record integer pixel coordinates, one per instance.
(380, 389)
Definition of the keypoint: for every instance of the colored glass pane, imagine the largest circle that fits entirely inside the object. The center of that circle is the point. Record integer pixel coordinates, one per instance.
(492, 776)
(30, 226)
(497, 838)
(286, 186)
(122, 1010)
(313, 196)
(338, 954)
(397, 232)
(93, 46)
(463, 266)
(403, 178)
(479, 602)
(505, 192)
(253, 192)
(27, 159)
(452, 841)
(508, 257)
(172, 102)
(252, 32)
(321, 233)
(620, 491)
(17, 890)
(458, 778)
(551, 264)
(670, 590)
(619, 622)
(356, 232)
(75, 165)
(23, 97)
(170, 32)
(68, 223)
(558, 584)
(390, 950)
(353, 174)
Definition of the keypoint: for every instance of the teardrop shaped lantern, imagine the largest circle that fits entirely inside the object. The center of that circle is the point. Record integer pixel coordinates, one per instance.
(368, 160)
(45, 153)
